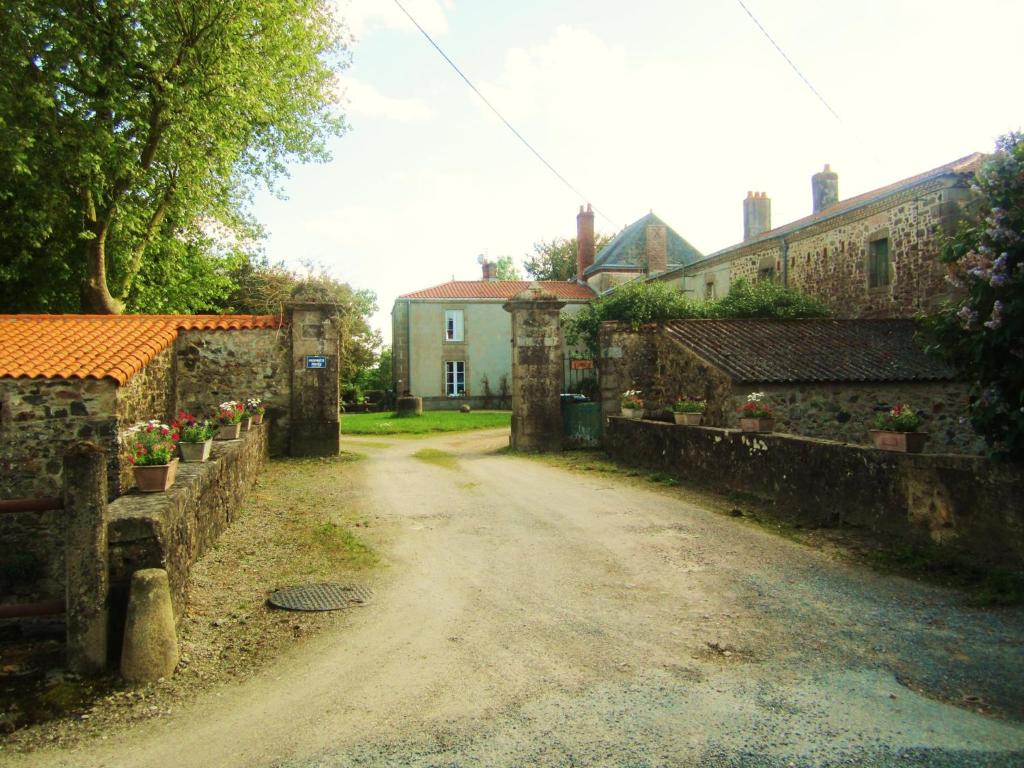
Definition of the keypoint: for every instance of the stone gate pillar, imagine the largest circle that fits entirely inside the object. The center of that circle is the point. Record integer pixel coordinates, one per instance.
(537, 361)
(316, 397)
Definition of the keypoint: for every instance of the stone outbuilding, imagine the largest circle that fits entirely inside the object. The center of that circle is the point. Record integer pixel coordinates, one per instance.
(69, 378)
(824, 378)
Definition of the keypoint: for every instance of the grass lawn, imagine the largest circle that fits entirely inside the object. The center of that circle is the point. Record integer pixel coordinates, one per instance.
(430, 421)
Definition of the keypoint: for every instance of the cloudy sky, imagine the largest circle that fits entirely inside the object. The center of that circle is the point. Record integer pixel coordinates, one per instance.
(675, 106)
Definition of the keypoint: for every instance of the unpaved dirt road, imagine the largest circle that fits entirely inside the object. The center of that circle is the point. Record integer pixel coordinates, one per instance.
(533, 617)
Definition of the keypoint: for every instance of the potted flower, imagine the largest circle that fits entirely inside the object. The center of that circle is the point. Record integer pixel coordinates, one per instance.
(229, 417)
(255, 409)
(689, 411)
(756, 415)
(631, 404)
(153, 457)
(196, 437)
(897, 430)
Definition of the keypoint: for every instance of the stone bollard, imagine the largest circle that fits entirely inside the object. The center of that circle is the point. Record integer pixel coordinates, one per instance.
(409, 406)
(150, 648)
(86, 583)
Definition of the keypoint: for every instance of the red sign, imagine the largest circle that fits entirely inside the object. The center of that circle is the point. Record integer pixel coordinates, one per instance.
(581, 365)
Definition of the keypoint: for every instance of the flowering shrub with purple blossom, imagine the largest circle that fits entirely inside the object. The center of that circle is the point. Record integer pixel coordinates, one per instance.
(981, 332)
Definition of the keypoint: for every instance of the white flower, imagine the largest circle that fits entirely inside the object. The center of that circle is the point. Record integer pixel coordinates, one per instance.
(755, 397)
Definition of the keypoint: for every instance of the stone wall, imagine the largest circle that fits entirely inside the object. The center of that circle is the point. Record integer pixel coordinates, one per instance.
(149, 394)
(40, 419)
(215, 366)
(828, 259)
(663, 370)
(959, 501)
(173, 529)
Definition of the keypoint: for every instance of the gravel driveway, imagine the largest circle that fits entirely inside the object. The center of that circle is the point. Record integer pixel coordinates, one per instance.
(528, 616)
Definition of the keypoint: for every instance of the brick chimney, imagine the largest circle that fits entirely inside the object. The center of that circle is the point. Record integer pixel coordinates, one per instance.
(656, 236)
(490, 269)
(825, 189)
(757, 214)
(584, 241)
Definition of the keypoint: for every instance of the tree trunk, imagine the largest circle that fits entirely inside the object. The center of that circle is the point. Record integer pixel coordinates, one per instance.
(96, 298)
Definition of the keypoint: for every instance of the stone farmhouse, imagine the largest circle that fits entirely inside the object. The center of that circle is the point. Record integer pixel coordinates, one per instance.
(873, 255)
(451, 342)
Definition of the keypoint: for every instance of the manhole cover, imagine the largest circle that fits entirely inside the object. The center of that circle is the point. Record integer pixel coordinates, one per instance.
(320, 597)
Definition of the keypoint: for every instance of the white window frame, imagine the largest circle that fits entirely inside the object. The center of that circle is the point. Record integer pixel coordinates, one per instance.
(454, 325)
(455, 378)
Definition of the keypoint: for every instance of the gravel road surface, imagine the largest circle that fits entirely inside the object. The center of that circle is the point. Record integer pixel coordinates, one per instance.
(528, 616)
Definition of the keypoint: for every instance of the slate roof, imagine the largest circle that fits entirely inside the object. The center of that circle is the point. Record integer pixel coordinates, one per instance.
(968, 164)
(499, 289)
(808, 351)
(628, 249)
(100, 346)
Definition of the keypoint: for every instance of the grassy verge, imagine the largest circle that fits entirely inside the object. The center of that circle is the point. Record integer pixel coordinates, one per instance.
(983, 586)
(429, 422)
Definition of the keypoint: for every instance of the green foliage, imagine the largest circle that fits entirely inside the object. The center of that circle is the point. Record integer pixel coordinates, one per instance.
(126, 127)
(641, 302)
(981, 333)
(264, 289)
(430, 421)
(689, 405)
(556, 259)
(506, 269)
(766, 298)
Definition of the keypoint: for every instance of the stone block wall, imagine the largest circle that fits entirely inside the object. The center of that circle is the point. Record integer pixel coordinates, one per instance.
(173, 529)
(214, 366)
(959, 501)
(663, 370)
(40, 419)
(828, 259)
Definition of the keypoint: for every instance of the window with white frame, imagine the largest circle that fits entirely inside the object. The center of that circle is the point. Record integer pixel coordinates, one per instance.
(455, 378)
(454, 325)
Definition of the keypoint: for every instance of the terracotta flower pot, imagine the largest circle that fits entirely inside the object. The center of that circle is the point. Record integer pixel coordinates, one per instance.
(757, 425)
(633, 413)
(229, 432)
(153, 478)
(195, 451)
(257, 418)
(247, 423)
(689, 419)
(901, 442)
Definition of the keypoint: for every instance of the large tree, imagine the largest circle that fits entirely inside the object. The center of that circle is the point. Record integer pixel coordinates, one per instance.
(556, 259)
(125, 126)
(981, 332)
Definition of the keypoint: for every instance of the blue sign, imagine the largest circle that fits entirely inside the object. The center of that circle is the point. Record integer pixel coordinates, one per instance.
(316, 361)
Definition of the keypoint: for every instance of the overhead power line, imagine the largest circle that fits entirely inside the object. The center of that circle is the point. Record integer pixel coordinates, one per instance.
(790, 62)
(501, 117)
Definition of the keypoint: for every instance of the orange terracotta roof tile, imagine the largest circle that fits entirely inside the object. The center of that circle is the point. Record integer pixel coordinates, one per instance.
(499, 289)
(100, 346)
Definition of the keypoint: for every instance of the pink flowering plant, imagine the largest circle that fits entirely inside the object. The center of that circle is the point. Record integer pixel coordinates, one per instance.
(901, 418)
(756, 408)
(193, 429)
(980, 332)
(689, 405)
(230, 412)
(152, 443)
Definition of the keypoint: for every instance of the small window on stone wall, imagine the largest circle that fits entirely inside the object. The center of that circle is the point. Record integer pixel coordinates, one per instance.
(879, 273)
(768, 273)
(709, 290)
